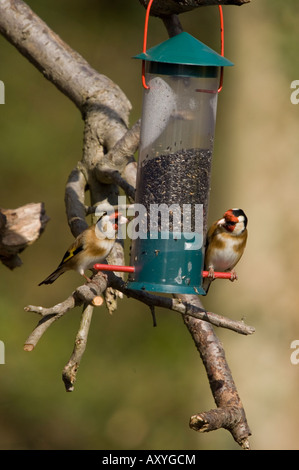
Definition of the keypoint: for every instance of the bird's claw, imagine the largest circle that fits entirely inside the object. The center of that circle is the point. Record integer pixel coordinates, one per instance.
(233, 276)
(88, 279)
(211, 274)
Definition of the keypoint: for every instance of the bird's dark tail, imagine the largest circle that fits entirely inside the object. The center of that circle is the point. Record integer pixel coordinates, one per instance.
(50, 279)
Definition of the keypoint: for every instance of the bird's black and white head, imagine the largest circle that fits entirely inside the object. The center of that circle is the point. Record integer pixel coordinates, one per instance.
(234, 221)
(108, 224)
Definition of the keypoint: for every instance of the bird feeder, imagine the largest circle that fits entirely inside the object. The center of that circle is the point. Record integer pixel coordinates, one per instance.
(181, 83)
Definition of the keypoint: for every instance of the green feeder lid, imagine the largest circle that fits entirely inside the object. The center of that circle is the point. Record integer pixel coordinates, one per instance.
(186, 50)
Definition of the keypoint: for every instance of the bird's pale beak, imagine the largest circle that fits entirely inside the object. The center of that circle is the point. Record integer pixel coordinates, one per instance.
(118, 218)
(122, 219)
(221, 221)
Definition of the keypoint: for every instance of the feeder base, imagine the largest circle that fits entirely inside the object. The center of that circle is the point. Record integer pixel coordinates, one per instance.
(165, 289)
(170, 263)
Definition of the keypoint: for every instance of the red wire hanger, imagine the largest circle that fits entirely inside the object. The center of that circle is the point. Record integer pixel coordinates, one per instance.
(145, 43)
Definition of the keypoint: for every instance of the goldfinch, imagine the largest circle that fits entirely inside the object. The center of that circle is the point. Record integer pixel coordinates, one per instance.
(92, 246)
(225, 244)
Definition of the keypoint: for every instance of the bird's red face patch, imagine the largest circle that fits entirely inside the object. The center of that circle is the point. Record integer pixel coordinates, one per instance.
(118, 219)
(230, 217)
(114, 218)
(230, 220)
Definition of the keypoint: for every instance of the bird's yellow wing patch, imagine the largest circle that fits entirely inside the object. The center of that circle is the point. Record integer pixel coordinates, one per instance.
(71, 253)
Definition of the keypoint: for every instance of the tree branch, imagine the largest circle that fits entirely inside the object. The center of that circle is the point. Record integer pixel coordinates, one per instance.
(70, 370)
(230, 418)
(104, 107)
(172, 25)
(74, 199)
(84, 294)
(88, 292)
(20, 228)
(230, 413)
(119, 164)
(175, 7)
(60, 64)
(184, 307)
(191, 313)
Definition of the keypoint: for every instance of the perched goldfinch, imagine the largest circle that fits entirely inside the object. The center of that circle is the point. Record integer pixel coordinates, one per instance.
(90, 247)
(225, 244)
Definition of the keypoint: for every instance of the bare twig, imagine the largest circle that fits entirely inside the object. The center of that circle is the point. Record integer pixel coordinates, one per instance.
(183, 307)
(83, 294)
(53, 314)
(88, 292)
(152, 309)
(70, 370)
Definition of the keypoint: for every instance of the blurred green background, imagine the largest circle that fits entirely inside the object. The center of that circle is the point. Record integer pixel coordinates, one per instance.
(137, 385)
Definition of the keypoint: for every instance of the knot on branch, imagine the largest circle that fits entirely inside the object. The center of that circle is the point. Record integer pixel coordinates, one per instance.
(231, 418)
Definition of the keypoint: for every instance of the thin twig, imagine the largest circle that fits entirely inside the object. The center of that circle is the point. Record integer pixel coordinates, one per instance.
(99, 285)
(70, 370)
(83, 294)
(50, 315)
(152, 308)
(184, 308)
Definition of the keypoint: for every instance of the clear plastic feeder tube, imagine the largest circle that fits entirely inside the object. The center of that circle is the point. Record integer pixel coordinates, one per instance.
(177, 136)
(173, 180)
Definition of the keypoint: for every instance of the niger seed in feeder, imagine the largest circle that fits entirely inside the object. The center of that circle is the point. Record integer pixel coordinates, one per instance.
(177, 178)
